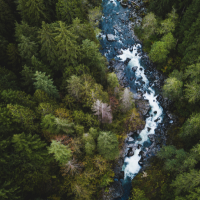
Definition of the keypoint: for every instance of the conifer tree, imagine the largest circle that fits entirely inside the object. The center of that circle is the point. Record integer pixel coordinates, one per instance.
(23, 115)
(46, 36)
(61, 152)
(89, 144)
(27, 48)
(113, 80)
(32, 11)
(44, 83)
(75, 86)
(66, 46)
(69, 10)
(108, 145)
(31, 161)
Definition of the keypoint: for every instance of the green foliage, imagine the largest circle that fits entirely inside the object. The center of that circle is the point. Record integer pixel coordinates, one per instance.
(83, 30)
(113, 80)
(191, 126)
(69, 10)
(92, 58)
(32, 11)
(85, 119)
(24, 116)
(149, 25)
(8, 80)
(94, 133)
(67, 49)
(174, 158)
(94, 16)
(19, 97)
(27, 48)
(30, 158)
(138, 194)
(44, 83)
(108, 145)
(90, 144)
(74, 86)
(173, 87)
(161, 49)
(61, 152)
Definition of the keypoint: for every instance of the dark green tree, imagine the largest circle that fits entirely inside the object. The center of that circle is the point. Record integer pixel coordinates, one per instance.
(44, 83)
(108, 145)
(33, 11)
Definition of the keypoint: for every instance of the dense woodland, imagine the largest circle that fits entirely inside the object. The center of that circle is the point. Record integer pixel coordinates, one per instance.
(170, 32)
(63, 116)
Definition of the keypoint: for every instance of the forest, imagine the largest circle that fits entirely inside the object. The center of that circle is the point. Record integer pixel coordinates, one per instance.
(63, 115)
(170, 35)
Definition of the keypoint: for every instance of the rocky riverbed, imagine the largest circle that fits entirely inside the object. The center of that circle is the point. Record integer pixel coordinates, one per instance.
(133, 68)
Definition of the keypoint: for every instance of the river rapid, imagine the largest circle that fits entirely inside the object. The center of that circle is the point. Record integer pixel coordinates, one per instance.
(137, 74)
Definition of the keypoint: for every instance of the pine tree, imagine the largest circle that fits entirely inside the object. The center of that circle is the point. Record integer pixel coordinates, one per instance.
(173, 87)
(13, 54)
(66, 46)
(24, 116)
(75, 86)
(46, 36)
(69, 10)
(33, 11)
(113, 80)
(108, 145)
(44, 83)
(61, 152)
(30, 161)
(27, 48)
(90, 144)
(149, 25)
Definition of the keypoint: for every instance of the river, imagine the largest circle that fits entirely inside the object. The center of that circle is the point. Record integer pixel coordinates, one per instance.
(115, 21)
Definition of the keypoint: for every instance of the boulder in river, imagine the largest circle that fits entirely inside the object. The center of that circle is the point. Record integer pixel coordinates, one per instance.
(143, 106)
(134, 68)
(110, 37)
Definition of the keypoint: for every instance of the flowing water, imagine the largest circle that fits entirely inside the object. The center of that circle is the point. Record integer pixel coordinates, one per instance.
(115, 21)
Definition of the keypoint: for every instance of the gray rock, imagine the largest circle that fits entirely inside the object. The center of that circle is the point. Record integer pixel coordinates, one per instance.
(110, 37)
(115, 191)
(143, 106)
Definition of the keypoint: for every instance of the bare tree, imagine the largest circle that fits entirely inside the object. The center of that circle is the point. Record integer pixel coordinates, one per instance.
(103, 111)
(126, 100)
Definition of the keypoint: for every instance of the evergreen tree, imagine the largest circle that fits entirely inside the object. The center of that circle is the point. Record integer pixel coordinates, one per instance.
(44, 83)
(108, 145)
(113, 80)
(30, 161)
(61, 152)
(149, 25)
(89, 144)
(33, 11)
(27, 48)
(24, 116)
(74, 86)
(46, 36)
(173, 87)
(69, 10)
(66, 45)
